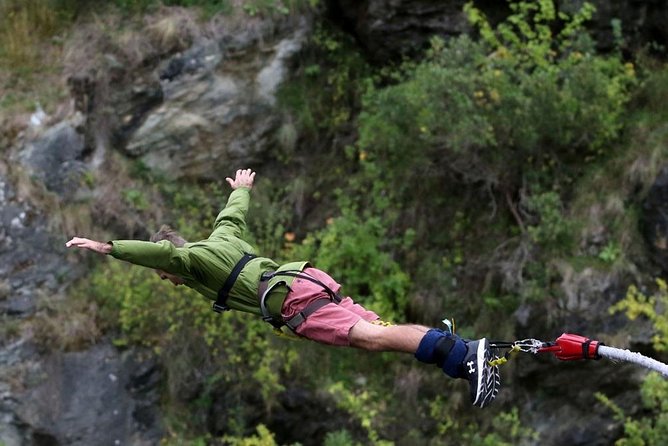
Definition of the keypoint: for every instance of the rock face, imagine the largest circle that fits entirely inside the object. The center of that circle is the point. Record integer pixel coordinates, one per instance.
(552, 391)
(655, 220)
(390, 29)
(214, 115)
(30, 258)
(98, 396)
(56, 159)
(216, 104)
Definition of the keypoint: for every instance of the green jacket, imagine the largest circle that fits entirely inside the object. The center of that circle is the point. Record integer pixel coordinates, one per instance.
(205, 265)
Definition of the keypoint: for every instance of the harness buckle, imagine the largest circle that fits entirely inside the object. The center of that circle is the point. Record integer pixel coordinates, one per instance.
(267, 275)
(219, 308)
(276, 324)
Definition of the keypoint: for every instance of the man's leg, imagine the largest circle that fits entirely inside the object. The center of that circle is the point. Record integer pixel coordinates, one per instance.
(398, 338)
(456, 357)
(350, 324)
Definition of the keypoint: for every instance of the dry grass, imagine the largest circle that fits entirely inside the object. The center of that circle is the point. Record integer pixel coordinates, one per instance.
(66, 324)
(110, 207)
(648, 157)
(172, 29)
(29, 56)
(22, 26)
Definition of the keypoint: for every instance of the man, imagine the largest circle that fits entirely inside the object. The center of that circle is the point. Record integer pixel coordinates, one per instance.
(307, 300)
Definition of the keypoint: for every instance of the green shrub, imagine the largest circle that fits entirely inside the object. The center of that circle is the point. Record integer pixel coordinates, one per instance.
(550, 230)
(353, 249)
(523, 103)
(264, 437)
(651, 428)
(652, 307)
(325, 91)
(363, 405)
(340, 438)
(506, 430)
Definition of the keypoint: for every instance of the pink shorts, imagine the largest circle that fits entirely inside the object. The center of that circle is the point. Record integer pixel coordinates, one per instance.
(331, 324)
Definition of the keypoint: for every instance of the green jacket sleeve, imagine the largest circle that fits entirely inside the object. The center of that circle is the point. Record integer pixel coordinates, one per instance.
(162, 255)
(232, 219)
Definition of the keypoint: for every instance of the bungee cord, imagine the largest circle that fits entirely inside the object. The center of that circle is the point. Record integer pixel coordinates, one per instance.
(571, 347)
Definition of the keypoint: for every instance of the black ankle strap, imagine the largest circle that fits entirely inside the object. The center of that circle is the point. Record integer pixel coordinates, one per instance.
(442, 349)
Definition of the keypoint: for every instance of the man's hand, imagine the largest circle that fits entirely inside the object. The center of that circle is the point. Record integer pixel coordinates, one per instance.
(92, 245)
(244, 178)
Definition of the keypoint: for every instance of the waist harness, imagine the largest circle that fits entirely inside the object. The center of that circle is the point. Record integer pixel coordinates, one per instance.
(264, 291)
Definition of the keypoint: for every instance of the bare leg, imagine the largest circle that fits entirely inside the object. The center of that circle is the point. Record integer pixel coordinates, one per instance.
(398, 338)
(433, 347)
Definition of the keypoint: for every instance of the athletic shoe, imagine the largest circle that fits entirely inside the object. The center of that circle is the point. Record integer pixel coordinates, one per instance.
(484, 379)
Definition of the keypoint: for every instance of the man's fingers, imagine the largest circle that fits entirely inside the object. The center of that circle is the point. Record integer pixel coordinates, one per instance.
(243, 177)
(77, 241)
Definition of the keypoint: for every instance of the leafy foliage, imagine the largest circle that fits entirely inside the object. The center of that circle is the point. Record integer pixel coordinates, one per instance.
(551, 229)
(653, 307)
(325, 93)
(521, 103)
(351, 249)
(649, 430)
(263, 438)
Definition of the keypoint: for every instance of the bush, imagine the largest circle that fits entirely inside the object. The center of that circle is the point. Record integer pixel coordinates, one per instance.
(652, 429)
(652, 307)
(522, 104)
(550, 229)
(353, 249)
(325, 93)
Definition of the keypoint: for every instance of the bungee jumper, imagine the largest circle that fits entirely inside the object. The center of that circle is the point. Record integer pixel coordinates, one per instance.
(306, 300)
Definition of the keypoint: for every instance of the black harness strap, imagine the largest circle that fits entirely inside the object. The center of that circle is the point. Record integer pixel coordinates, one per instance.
(311, 308)
(220, 304)
(302, 275)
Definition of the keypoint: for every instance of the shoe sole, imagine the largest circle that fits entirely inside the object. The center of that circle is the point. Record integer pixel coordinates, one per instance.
(481, 366)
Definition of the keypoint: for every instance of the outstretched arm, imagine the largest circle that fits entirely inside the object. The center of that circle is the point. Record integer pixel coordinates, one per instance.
(232, 219)
(92, 245)
(162, 255)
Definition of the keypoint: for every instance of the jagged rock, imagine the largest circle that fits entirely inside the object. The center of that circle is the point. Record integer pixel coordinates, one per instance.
(214, 114)
(655, 220)
(131, 103)
(55, 158)
(30, 257)
(98, 396)
(391, 29)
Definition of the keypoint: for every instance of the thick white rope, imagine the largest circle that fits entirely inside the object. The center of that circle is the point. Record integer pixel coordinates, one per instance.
(634, 357)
